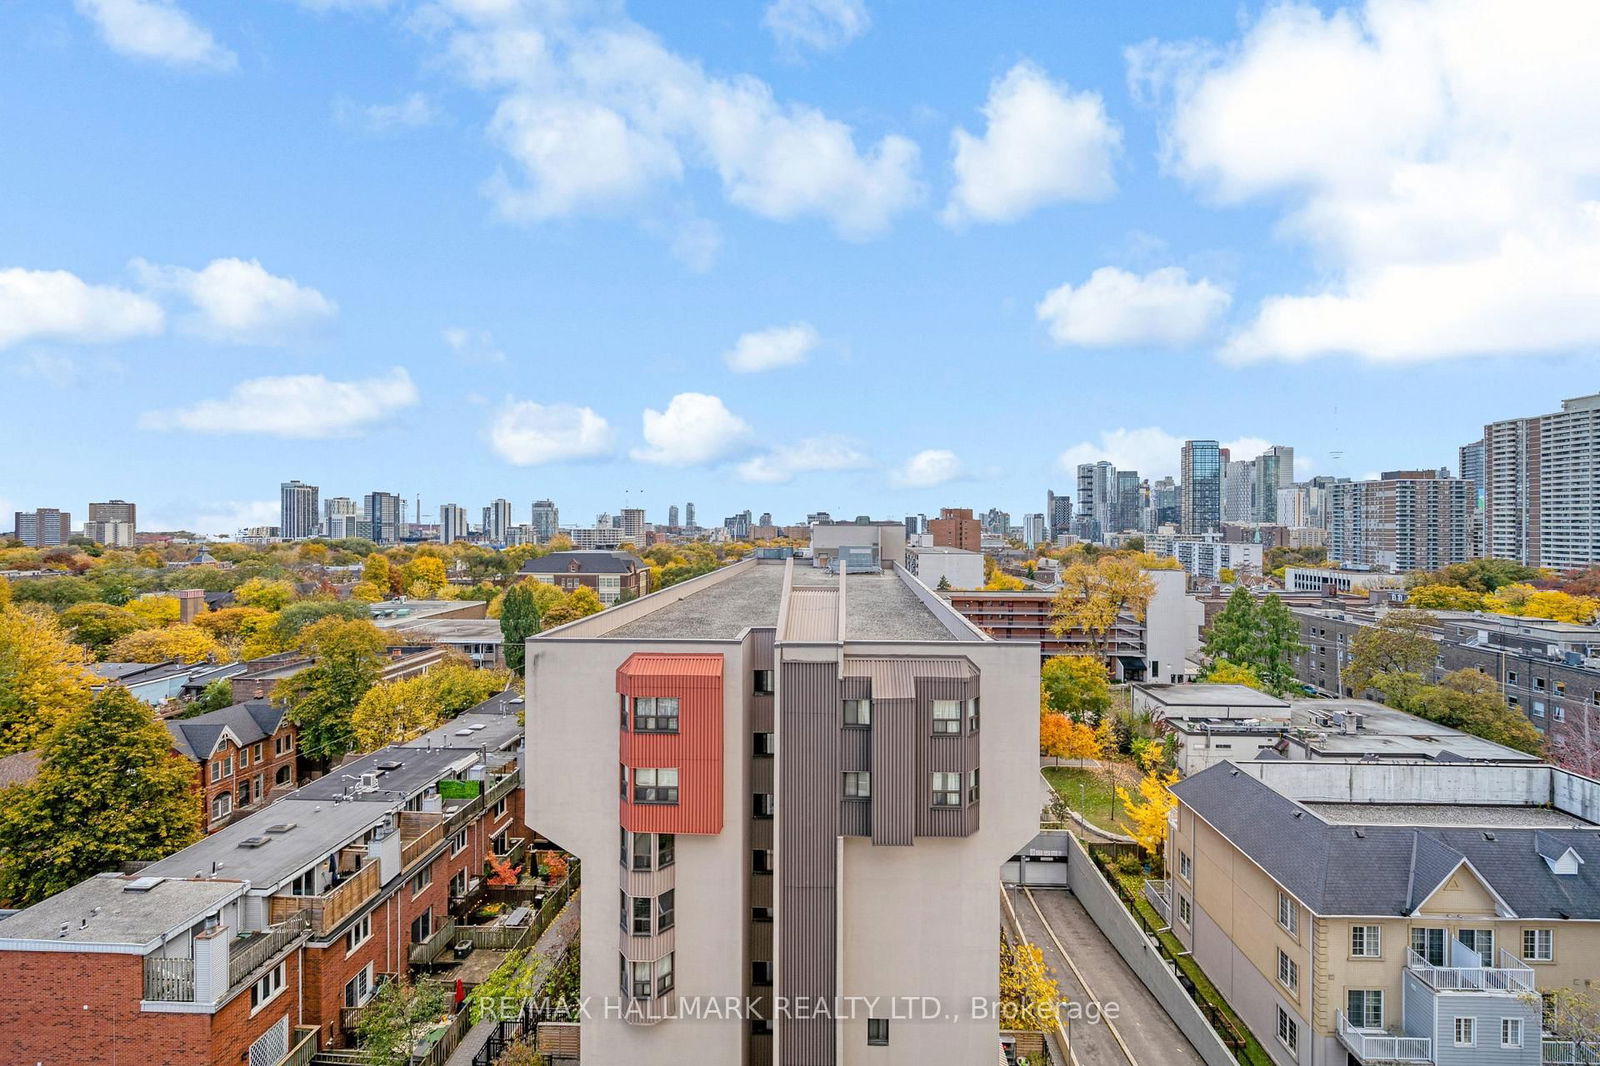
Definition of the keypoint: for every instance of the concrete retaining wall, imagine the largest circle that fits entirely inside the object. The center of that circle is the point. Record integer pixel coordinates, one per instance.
(1142, 955)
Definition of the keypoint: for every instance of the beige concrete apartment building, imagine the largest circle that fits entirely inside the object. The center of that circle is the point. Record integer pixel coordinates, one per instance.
(803, 785)
(1418, 929)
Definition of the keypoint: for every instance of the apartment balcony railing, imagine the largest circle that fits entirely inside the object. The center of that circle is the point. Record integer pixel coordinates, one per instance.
(1569, 1053)
(252, 951)
(326, 911)
(1155, 892)
(419, 834)
(1510, 976)
(501, 788)
(304, 1048)
(168, 980)
(425, 952)
(1375, 1045)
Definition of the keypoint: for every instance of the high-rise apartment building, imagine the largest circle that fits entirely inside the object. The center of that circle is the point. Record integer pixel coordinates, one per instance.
(633, 525)
(497, 521)
(1097, 490)
(956, 528)
(766, 786)
(1033, 529)
(672, 516)
(1238, 490)
(688, 516)
(44, 528)
(546, 520)
(1200, 494)
(1274, 471)
(1541, 489)
(339, 517)
(452, 523)
(1057, 514)
(1165, 508)
(1128, 504)
(738, 526)
(1407, 520)
(386, 514)
(299, 511)
(125, 514)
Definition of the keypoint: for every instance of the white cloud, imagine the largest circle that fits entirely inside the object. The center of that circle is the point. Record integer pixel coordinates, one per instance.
(823, 25)
(158, 30)
(298, 406)
(1115, 308)
(935, 466)
(527, 433)
(815, 453)
(1152, 451)
(596, 114)
(238, 300)
(695, 428)
(412, 111)
(1438, 157)
(55, 305)
(769, 349)
(1044, 144)
(473, 345)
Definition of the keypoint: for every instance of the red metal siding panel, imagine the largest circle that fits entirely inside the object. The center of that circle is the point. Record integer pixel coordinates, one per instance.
(695, 750)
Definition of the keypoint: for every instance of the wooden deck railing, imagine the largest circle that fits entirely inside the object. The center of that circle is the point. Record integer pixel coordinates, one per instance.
(329, 909)
(250, 953)
(168, 980)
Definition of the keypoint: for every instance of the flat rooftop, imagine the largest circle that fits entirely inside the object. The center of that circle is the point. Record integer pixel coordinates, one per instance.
(1446, 815)
(883, 607)
(321, 827)
(1385, 731)
(1208, 695)
(101, 910)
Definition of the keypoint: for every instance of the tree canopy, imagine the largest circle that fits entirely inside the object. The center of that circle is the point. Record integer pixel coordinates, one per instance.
(43, 676)
(1095, 594)
(348, 661)
(1077, 686)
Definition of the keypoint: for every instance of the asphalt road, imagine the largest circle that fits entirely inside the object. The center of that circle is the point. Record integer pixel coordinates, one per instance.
(1140, 1033)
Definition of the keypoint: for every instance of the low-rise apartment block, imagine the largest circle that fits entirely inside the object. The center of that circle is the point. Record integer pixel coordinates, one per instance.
(613, 575)
(805, 784)
(1383, 914)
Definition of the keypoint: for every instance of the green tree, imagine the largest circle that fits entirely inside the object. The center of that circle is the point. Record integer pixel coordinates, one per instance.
(43, 676)
(1278, 644)
(1235, 632)
(321, 698)
(398, 1015)
(110, 790)
(214, 697)
(519, 620)
(1481, 575)
(1401, 643)
(1473, 703)
(97, 626)
(1077, 686)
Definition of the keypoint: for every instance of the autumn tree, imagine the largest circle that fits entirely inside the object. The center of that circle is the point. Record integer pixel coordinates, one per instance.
(398, 1015)
(1030, 998)
(155, 610)
(1148, 814)
(394, 712)
(348, 661)
(1077, 686)
(1481, 575)
(1444, 598)
(267, 594)
(424, 577)
(1227, 672)
(110, 790)
(230, 625)
(579, 603)
(99, 625)
(43, 676)
(182, 643)
(1094, 595)
(1004, 582)
(1401, 642)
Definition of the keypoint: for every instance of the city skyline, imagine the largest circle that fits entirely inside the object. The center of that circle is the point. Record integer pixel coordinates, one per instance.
(1140, 281)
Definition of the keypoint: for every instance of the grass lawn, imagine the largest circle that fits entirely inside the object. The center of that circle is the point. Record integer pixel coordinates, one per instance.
(1089, 792)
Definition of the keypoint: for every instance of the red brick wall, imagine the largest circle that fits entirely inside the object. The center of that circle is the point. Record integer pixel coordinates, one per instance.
(234, 1028)
(82, 1009)
(266, 769)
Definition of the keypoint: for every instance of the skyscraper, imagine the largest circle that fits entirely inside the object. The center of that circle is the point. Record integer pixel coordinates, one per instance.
(1097, 488)
(688, 516)
(1407, 520)
(1164, 505)
(385, 515)
(1033, 529)
(1238, 490)
(299, 512)
(497, 521)
(672, 516)
(1200, 467)
(44, 528)
(1128, 510)
(453, 522)
(113, 523)
(1541, 496)
(546, 520)
(1057, 514)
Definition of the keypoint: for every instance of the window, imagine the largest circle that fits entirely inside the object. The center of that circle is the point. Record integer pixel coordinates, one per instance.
(622, 710)
(858, 712)
(761, 861)
(282, 776)
(947, 790)
(1538, 684)
(639, 925)
(1366, 941)
(1185, 910)
(1511, 677)
(1185, 866)
(1538, 945)
(1288, 971)
(266, 990)
(244, 758)
(1480, 941)
(222, 806)
(1510, 1032)
(258, 750)
(666, 911)
(1558, 712)
(244, 793)
(221, 768)
(761, 974)
(358, 934)
(1364, 1008)
(1288, 914)
(498, 811)
(664, 974)
(761, 914)
(359, 988)
(763, 683)
(946, 718)
(422, 880)
(1466, 1030)
(1538, 708)
(972, 786)
(305, 884)
(1289, 1032)
(1429, 943)
(458, 843)
(761, 805)
(422, 926)
(857, 784)
(635, 979)
(658, 714)
(972, 715)
(458, 885)
(283, 745)
(877, 1032)
(655, 785)
(664, 850)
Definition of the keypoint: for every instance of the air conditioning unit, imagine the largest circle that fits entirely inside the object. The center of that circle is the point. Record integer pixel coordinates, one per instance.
(369, 780)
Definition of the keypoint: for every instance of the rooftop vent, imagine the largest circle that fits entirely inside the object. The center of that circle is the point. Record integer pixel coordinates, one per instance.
(280, 827)
(390, 765)
(254, 842)
(1361, 834)
(463, 732)
(477, 726)
(1488, 835)
(142, 884)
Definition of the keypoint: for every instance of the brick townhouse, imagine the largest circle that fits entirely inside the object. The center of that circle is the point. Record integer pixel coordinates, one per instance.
(243, 755)
(262, 940)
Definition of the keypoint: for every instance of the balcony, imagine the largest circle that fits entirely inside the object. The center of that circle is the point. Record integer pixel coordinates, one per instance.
(419, 834)
(1155, 893)
(1510, 977)
(168, 980)
(326, 911)
(1375, 1045)
(1569, 1053)
(251, 951)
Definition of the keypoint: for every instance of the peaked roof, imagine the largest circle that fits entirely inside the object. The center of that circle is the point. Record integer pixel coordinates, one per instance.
(589, 562)
(1389, 870)
(246, 722)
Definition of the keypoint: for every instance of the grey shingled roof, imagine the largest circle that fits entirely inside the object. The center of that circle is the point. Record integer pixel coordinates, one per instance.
(1386, 870)
(589, 562)
(249, 722)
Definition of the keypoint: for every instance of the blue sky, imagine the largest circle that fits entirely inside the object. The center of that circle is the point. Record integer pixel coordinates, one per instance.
(853, 255)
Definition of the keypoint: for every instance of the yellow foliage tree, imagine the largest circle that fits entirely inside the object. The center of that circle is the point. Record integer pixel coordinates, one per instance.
(1444, 598)
(397, 711)
(155, 611)
(1003, 582)
(368, 592)
(5, 593)
(1030, 998)
(233, 623)
(1062, 738)
(265, 593)
(1529, 602)
(185, 643)
(1148, 815)
(424, 577)
(44, 676)
(1094, 594)
(579, 603)
(1224, 672)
